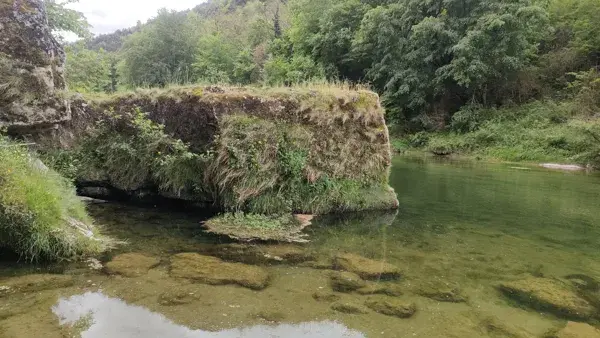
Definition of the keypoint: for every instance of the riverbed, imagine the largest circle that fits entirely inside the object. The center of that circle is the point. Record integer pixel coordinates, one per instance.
(463, 228)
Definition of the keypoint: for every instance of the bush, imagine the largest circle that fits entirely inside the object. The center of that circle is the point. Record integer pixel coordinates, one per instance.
(40, 215)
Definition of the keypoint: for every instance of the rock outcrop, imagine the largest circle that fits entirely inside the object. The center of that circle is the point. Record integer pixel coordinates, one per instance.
(31, 69)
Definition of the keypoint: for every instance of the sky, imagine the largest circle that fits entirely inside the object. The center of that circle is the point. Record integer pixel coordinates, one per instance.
(106, 16)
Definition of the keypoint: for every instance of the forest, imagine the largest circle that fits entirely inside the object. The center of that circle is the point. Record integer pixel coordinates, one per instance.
(513, 80)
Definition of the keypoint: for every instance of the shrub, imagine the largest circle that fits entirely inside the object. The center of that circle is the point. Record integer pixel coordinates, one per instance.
(40, 215)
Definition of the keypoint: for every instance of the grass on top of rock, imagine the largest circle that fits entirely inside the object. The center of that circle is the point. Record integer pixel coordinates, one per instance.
(536, 132)
(254, 227)
(40, 215)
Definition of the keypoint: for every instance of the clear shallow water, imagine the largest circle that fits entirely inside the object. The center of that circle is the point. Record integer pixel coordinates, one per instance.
(465, 224)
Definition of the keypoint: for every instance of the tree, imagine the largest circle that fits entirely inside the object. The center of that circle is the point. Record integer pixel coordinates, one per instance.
(61, 18)
(162, 52)
(87, 70)
(433, 57)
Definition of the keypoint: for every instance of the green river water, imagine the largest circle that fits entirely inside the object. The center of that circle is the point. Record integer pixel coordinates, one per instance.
(464, 226)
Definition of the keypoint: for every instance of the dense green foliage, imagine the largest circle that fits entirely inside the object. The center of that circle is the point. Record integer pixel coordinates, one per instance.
(131, 152)
(264, 167)
(63, 19)
(431, 61)
(40, 215)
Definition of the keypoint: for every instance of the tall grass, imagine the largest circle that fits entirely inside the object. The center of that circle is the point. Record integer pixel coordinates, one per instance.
(40, 215)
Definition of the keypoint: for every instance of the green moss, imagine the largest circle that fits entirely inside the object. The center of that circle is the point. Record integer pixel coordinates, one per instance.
(250, 227)
(40, 215)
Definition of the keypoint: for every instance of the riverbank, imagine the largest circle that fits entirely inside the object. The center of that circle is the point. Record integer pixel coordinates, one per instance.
(538, 132)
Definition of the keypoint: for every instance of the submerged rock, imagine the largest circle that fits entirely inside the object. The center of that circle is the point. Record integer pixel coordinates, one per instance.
(548, 295)
(177, 297)
(324, 296)
(495, 328)
(261, 254)
(271, 316)
(392, 307)
(349, 307)
(441, 291)
(345, 281)
(389, 289)
(131, 264)
(366, 268)
(213, 271)
(577, 330)
(252, 227)
(34, 283)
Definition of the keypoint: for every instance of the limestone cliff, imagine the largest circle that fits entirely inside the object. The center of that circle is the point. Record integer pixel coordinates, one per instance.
(31, 69)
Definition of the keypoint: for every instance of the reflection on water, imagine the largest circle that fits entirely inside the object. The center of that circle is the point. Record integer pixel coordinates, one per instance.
(111, 317)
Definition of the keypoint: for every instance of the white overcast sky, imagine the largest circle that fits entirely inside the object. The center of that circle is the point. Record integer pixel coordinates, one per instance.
(106, 16)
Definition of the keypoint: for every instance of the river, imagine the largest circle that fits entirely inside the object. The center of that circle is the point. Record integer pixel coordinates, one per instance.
(462, 228)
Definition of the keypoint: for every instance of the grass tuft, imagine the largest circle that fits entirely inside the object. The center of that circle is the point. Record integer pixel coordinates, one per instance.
(40, 215)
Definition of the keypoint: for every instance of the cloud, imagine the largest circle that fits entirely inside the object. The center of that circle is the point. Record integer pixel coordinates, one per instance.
(106, 16)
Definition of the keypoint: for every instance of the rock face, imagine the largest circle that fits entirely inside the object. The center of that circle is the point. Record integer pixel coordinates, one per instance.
(31, 69)
(34, 283)
(366, 268)
(213, 271)
(131, 264)
(577, 330)
(549, 295)
(392, 307)
(346, 281)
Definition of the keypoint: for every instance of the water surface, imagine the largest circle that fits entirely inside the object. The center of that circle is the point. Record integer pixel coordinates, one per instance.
(465, 224)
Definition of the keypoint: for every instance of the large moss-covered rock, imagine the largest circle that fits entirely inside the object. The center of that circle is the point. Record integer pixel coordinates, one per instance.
(31, 68)
(211, 270)
(271, 150)
(549, 295)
